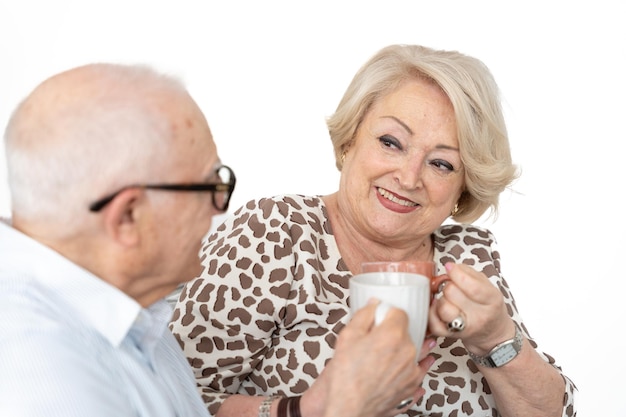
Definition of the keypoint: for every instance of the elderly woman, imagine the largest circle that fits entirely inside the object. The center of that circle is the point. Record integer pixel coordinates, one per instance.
(419, 138)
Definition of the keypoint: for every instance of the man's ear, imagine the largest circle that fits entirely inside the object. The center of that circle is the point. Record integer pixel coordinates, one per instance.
(121, 217)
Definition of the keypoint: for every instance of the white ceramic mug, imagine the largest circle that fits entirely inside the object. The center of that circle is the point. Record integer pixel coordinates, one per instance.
(408, 291)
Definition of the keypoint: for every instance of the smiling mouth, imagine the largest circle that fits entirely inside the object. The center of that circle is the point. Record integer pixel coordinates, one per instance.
(386, 194)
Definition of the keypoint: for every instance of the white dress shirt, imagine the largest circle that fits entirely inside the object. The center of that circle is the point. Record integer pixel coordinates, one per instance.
(73, 345)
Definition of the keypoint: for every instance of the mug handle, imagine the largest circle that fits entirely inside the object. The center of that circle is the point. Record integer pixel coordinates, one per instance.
(437, 283)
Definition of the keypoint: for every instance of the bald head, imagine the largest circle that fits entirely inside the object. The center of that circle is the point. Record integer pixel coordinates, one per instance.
(86, 131)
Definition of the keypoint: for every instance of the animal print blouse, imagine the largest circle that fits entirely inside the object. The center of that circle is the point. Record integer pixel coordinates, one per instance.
(264, 315)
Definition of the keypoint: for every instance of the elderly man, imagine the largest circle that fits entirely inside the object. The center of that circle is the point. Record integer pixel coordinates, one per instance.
(95, 244)
(114, 179)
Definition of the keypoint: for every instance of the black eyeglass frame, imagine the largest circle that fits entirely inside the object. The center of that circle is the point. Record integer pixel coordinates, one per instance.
(228, 188)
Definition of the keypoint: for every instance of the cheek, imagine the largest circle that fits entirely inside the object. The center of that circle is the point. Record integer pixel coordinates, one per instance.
(440, 196)
(443, 190)
(355, 188)
(188, 253)
(358, 175)
(196, 233)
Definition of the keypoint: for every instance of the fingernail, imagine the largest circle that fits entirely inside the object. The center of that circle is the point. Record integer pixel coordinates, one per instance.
(432, 343)
(449, 266)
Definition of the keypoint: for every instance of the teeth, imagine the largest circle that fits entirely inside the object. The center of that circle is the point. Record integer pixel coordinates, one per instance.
(395, 199)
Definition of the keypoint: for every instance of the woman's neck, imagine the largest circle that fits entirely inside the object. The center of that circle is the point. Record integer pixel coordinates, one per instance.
(355, 248)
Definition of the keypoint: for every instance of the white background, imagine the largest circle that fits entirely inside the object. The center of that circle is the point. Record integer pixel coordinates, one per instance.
(267, 73)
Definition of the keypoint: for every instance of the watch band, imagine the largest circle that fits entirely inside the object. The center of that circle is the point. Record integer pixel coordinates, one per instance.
(264, 408)
(502, 353)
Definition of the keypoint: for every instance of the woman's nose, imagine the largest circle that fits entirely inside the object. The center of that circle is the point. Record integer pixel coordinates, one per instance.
(409, 174)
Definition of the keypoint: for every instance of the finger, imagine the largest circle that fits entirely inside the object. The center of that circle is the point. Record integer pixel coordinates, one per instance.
(424, 366)
(437, 281)
(447, 307)
(469, 284)
(396, 316)
(405, 404)
(439, 284)
(428, 345)
(440, 314)
(363, 319)
(419, 393)
(436, 326)
(426, 363)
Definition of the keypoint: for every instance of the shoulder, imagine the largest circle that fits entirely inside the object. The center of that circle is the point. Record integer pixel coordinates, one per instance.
(46, 346)
(26, 305)
(468, 244)
(282, 204)
(273, 222)
(277, 211)
(467, 234)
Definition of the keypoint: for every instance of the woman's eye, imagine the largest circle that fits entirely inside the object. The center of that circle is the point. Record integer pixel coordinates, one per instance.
(389, 141)
(441, 164)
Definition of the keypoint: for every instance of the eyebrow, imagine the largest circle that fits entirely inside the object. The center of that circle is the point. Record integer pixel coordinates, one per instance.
(400, 122)
(451, 148)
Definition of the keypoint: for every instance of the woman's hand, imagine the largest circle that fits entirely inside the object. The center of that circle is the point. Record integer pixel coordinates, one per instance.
(374, 369)
(468, 294)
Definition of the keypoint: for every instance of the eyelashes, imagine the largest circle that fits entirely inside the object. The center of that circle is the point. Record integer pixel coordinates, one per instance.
(443, 165)
(390, 142)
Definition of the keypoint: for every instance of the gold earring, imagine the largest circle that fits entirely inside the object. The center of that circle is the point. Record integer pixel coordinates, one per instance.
(343, 157)
(455, 210)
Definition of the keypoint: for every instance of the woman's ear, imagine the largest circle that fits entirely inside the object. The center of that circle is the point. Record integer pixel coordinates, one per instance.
(122, 217)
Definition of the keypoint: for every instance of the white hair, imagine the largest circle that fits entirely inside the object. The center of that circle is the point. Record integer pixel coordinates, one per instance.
(64, 152)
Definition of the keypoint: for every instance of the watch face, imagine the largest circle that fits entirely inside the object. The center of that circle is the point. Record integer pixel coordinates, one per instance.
(504, 354)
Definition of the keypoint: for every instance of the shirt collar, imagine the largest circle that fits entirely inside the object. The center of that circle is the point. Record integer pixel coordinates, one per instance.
(97, 303)
(149, 326)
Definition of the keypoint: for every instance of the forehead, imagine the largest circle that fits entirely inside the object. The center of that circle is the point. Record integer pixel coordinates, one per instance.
(416, 96)
(192, 137)
(418, 107)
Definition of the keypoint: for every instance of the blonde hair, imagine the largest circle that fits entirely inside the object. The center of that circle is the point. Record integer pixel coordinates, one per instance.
(475, 97)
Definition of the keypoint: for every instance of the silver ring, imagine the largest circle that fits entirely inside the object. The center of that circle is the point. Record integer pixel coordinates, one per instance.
(456, 325)
(404, 403)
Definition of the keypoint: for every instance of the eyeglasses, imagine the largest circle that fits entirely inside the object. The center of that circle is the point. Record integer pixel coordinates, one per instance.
(221, 191)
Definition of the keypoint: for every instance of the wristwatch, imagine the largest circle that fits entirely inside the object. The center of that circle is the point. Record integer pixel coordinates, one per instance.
(502, 354)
